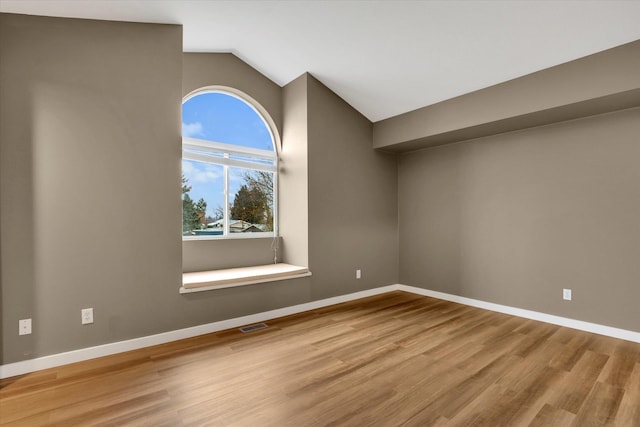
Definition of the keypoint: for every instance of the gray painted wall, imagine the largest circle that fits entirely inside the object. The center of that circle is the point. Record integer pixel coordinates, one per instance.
(514, 218)
(90, 171)
(89, 139)
(339, 200)
(90, 187)
(293, 181)
(202, 255)
(353, 213)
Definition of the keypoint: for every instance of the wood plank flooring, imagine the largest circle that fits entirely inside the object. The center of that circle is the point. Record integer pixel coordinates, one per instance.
(390, 360)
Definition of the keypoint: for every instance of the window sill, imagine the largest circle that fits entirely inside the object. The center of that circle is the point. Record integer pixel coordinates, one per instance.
(232, 236)
(232, 277)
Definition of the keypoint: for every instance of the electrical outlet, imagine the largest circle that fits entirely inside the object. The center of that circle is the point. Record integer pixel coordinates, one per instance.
(566, 294)
(358, 274)
(24, 327)
(87, 316)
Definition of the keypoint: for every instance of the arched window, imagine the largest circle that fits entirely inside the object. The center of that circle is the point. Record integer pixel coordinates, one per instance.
(229, 168)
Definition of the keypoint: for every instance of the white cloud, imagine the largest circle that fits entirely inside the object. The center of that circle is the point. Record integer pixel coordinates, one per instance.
(192, 129)
(201, 172)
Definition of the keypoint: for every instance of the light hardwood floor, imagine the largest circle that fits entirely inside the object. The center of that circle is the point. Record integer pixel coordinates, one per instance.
(394, 359)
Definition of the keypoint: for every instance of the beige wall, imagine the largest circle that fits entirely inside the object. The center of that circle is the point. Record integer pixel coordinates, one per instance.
(514, 218)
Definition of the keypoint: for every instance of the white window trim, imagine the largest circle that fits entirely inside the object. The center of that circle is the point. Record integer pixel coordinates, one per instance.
(213, 146)
(219, 147)
(226, 161)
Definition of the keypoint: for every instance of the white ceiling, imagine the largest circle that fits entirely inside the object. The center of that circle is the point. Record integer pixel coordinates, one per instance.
(383, 57)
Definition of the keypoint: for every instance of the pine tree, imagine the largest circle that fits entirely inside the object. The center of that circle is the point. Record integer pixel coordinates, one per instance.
(201, 211)
(190, 219)
(193, 214)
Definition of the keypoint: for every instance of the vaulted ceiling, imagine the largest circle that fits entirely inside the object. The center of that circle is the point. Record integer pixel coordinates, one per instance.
(383, 57)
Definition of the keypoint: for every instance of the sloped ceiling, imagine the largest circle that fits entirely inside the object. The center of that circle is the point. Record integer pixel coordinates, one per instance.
(383, 57)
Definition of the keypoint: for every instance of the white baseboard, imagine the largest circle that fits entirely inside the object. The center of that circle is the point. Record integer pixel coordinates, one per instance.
(26, 366)
(528, 314)
(45, 362)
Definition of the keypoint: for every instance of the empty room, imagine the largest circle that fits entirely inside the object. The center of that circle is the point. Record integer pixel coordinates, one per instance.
(313, 213)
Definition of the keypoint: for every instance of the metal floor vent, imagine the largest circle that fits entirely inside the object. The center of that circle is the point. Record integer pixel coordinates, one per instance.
(252, 328)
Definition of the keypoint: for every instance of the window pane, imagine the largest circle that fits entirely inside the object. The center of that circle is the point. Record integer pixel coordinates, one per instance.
(220, 117)
(202, 198)
(250, 201)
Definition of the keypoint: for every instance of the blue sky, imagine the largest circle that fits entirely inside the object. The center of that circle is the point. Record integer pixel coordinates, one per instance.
(222, 118)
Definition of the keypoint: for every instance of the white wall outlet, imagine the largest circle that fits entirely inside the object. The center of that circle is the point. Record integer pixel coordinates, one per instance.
(358, 274)
(87, 316)
(24, 327)
(566, 294)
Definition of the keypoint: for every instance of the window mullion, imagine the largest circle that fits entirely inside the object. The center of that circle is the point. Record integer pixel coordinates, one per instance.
(226, 201)
(274, 201)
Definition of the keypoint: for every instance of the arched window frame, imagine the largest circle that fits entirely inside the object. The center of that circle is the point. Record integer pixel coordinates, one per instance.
(202, 147)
